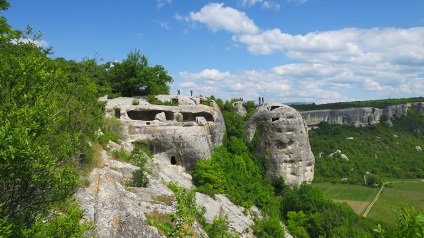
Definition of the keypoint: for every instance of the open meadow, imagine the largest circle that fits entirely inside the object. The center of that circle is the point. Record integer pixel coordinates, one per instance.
(395, 195)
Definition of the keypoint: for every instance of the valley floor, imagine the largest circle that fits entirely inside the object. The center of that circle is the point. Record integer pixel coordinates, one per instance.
(396, 194)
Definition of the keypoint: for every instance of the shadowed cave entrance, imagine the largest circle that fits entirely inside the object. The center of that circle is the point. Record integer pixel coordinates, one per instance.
(188, 116)
(149, 115)
(173, 160)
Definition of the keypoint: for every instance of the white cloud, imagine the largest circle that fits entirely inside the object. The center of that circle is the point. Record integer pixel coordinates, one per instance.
(39, 43)
(339, 65)
(206, 74)
(161, 3)
(163, 24)
(271, 5)
(218, 17)
(249, 3)
(371, 46)
(264, 4)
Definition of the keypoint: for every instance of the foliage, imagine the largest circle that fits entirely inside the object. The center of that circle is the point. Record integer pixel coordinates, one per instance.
(384, 152)
(410, 222)
(135, 102)
(162, 221)
(112, 130)
(138, 157)
(63, 221)
(48, 113)
(134, 76)
(186, 211)
(268, 228)
(219, 228)
(296, 223)
(153, 100)
(320, 216)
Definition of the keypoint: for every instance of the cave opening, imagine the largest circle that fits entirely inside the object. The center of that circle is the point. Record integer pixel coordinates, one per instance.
(149, 115)
(188, 116)
(173, 160)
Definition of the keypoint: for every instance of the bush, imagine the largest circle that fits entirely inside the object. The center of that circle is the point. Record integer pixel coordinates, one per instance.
(135, 102)
(268, 228)
(113, 130)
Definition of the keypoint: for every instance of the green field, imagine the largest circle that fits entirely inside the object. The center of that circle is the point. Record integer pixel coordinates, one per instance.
(347, 191)
(394, 196)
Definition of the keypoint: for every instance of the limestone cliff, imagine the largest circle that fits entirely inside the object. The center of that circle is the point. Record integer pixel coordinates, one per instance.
(358, 116)
(186, 133)
(283, 140)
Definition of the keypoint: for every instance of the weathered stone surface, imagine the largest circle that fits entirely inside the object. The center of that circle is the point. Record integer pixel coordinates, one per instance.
(120, 211)
(186, 132)
(238, 106)
(201, 121)
(222, 207)
(358, 116)
(160, 117)
(283, 139)
(115, 211)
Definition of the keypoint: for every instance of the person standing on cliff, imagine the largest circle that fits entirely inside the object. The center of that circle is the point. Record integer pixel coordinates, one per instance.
(178, 92)
(262, 100)
(191, 92)
(259, 100)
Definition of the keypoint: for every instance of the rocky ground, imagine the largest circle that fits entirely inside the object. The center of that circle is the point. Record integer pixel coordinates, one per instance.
(119, 210)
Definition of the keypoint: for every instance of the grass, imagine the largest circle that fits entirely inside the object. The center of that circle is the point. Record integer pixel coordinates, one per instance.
(395, 195)
(347, 191)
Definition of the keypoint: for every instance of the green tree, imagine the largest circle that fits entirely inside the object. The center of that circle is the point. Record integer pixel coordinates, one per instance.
(46, 117)
(134, 76)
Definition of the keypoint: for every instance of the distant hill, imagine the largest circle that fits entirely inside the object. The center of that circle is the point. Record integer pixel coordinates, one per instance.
(383, 103)
(376, 150)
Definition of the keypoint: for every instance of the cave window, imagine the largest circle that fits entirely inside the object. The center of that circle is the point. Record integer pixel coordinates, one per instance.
(173, 160)
(275, 119)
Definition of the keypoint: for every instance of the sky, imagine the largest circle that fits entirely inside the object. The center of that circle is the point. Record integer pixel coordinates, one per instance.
(317, 51)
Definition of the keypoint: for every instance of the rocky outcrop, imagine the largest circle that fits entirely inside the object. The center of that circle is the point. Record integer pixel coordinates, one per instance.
(283, 139)
(119, 210)
(239, 108)
(186, 133)
(358, 116)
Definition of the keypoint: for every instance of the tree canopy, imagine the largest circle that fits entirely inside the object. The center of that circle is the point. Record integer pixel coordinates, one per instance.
(134, 76)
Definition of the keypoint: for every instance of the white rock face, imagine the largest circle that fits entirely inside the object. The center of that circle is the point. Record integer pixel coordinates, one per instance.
(238, 106)
(186, 133)
(358, 116)
(283, 139)
(221, 207)
(121, 211)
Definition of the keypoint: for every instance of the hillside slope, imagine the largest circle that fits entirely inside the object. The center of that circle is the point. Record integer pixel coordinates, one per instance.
(348, 153)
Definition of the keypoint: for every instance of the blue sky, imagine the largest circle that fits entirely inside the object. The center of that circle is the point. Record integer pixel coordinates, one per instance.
(283, 50)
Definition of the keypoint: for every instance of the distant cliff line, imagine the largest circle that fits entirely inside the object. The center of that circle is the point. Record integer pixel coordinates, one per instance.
(363, 116)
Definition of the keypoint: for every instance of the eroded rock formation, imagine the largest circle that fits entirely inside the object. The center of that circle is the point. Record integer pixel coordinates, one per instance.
(358, 116)
(186, 133)
(283, 140)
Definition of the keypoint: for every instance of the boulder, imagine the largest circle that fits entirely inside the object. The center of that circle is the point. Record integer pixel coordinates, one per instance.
(160, 117)
(201, 121)
(283, 139)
